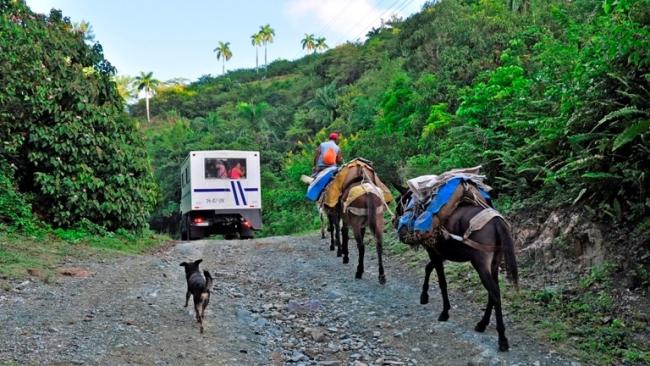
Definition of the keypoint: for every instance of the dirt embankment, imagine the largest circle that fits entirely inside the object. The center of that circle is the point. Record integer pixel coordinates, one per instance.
(283, 300)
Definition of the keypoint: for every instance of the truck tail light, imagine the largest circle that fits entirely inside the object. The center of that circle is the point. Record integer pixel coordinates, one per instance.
(198, 220)
(246, 224)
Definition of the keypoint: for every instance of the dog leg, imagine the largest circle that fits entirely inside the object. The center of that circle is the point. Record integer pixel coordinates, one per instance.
(187, 297)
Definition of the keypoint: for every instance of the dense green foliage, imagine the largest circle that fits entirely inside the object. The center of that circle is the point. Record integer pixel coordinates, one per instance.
(66, 141)
(551, 97)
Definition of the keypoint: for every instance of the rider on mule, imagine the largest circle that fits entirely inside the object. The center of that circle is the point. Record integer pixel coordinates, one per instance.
(327, 154)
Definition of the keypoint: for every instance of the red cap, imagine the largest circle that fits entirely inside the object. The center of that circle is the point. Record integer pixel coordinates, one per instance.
(334, 136)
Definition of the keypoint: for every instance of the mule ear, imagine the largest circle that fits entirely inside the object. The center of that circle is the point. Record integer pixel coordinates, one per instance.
(183, 264)
(402, 190)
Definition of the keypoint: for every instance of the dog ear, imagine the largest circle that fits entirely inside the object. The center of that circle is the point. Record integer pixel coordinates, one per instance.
(198, 261)
(183, 264)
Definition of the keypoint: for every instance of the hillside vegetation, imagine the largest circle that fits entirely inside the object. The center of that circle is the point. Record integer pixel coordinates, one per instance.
(550, 97)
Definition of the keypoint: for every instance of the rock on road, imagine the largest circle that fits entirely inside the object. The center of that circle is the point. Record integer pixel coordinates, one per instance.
(276, 301)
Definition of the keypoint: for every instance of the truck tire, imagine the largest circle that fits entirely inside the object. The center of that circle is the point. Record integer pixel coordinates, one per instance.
(185, 230)
(246, 233)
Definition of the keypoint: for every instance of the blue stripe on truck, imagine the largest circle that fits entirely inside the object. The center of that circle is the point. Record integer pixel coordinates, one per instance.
(234, 192)
(211, 190)
(241, 191)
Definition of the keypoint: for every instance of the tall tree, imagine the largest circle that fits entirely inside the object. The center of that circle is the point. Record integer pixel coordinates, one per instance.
(256, 40)
(309, 43)
(267, 34)
(147, 84)
(320, 44)
(223, 53)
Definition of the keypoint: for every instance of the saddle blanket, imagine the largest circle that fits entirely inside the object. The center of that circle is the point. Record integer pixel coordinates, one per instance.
(320, 182)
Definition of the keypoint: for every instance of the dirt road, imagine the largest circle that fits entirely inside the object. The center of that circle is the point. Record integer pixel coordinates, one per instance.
(281, 300)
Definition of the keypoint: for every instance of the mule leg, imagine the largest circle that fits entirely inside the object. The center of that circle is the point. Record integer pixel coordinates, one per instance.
(346, 238)
(322, 225)
(361, 247)
(492, 287)
(480, 326)
(330, 226)
(337, 234)
(442, 283)
(424, 296)
(382, 276)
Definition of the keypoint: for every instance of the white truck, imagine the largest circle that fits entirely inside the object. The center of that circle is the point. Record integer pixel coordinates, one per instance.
(220, 194)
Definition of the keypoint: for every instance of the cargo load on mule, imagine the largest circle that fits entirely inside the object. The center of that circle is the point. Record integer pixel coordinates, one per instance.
(318, 183)
(435, 197)
(357, 170)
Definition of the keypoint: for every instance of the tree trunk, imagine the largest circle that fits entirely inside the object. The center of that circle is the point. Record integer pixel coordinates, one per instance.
(266, 65)
(257, 63)
(223, 67)
(146, 98)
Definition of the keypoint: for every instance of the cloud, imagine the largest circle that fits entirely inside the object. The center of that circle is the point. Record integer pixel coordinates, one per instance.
(350, 19)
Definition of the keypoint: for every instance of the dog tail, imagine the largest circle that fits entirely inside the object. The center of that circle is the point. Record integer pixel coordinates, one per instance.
(208, 280)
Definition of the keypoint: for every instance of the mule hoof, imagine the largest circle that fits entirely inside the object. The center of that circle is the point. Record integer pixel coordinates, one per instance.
(480, 327)
(443, 317)
(424, 298)
(331, 247)
(503, 345)
(358, 275)
(322, 236)
(382, 280)
(346, 260)
(339, 254)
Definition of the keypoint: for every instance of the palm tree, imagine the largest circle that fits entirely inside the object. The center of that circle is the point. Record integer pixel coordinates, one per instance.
(267, 33)
(308, 42)
(320, 44)
(223, 53)
(256, 40)
(146, 83)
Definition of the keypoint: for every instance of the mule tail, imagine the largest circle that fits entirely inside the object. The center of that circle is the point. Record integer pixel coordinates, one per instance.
(208, 280)
(508, 248)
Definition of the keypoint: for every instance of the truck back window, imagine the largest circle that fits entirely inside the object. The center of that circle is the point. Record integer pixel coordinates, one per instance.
(226, 168)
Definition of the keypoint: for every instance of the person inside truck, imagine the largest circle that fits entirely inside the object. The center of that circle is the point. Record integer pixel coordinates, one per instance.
(222, 173)
(237, 172)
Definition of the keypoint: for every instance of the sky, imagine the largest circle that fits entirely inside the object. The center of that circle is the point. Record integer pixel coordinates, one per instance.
(176, 39)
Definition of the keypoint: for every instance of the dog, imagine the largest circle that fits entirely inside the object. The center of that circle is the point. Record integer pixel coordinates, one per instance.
(199, 287)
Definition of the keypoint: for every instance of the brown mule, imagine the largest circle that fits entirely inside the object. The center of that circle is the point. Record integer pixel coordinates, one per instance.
(491, 243)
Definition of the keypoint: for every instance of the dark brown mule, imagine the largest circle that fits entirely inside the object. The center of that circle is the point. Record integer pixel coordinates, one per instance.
(496, 240)
(368, 208)
(364, 211)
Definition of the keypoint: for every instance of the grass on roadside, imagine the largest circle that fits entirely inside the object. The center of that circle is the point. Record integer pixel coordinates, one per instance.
(39, 255)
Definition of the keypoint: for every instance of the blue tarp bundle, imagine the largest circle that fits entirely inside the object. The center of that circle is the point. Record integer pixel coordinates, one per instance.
(422, 221)
(320, 182)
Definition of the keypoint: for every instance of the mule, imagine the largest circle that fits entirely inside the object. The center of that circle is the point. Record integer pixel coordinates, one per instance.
(493, 241)
(366, 211)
